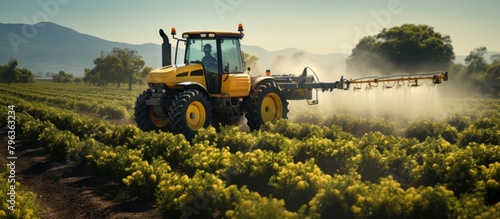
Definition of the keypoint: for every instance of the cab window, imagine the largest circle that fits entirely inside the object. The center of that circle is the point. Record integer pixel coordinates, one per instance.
(231, 56)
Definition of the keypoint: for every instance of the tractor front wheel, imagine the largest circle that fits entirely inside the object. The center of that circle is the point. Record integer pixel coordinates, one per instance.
(265, 104)
(145, 116)
(190, 110)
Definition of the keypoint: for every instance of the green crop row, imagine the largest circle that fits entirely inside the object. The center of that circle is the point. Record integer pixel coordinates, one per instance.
(54, 90)
(106, 109)
(84, 90)
(16, 201)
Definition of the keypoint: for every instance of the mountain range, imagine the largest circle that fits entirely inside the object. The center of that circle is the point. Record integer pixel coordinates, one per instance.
(49, 47)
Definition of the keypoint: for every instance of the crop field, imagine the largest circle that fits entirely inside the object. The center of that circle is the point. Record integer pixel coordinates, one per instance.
(315, 165)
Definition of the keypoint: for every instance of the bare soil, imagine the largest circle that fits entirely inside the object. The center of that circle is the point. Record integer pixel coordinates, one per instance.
(68, 190)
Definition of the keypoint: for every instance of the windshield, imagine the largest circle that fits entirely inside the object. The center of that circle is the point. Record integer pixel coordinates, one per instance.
(197, 49)
(205, 51)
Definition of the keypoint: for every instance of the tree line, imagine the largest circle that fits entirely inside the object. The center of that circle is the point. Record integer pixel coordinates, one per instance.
(478, 73)
(120, 66)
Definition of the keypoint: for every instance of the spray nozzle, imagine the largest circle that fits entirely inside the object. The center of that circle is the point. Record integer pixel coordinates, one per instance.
(389, 86)
(414, 83)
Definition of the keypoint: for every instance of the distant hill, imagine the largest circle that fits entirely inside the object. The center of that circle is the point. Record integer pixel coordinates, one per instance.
(52, 48)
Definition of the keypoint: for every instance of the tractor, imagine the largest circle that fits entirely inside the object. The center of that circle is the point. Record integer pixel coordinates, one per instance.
(213, 86)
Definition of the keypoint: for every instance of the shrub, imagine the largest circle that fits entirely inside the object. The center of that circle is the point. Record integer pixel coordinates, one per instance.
(425, 128)
(459, 122)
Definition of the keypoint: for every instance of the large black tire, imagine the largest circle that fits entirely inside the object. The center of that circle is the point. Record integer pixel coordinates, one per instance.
(145, 117)
(266, 103)
(190, 110)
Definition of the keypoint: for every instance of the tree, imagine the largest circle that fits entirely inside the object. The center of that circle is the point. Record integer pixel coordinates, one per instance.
(90, 76)
(63, 77)
(475, 61)
(482, 76)
(24, 75)
(78, 80)
(407, 48)
(458, 71)
(11, 74)
(251, 61)
(3, 68)
(144, 73)
(8, 74)
(495, 58)
(494, 72)
(107, 70)
(131, 64)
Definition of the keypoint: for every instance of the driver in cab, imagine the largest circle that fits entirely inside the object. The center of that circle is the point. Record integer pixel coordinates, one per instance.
(210, 64)
(209, 61)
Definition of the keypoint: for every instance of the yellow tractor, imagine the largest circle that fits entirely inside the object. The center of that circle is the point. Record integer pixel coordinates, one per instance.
(212, 86)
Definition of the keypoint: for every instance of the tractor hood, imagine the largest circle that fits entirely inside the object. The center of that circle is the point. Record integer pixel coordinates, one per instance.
(172, 75)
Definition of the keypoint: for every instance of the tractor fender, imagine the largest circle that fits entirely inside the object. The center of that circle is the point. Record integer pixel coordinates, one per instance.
(258, 80)
(194, 85)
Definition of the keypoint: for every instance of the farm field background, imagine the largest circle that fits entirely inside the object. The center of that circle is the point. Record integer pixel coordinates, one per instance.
(338, 161)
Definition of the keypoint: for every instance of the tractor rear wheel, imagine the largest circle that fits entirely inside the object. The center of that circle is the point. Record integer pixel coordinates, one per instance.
(190, 110)
(145, 116)
(266, 103)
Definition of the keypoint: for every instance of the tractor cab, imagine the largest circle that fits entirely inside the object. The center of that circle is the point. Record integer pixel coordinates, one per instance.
(220, 55)
(213, 64)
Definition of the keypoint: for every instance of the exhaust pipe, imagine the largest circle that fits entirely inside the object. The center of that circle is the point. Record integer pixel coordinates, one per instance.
(166, 50)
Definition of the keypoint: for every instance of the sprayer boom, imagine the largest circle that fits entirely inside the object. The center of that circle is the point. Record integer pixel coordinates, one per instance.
(301, 87)
(399, 79)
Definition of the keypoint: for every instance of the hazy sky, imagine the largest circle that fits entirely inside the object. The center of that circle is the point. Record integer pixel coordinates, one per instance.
(316, 26)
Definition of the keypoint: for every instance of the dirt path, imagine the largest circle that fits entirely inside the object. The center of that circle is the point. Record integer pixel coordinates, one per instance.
(64, 191)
